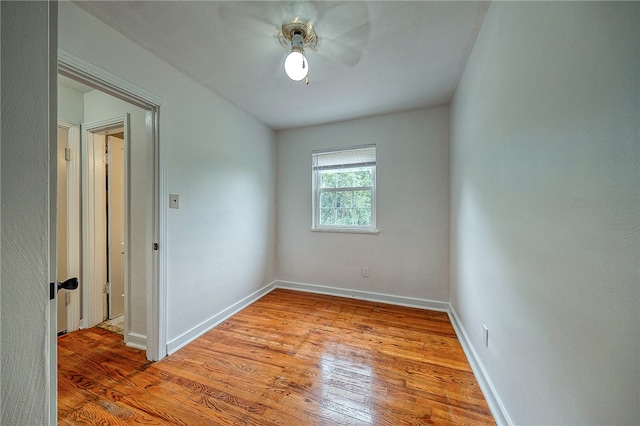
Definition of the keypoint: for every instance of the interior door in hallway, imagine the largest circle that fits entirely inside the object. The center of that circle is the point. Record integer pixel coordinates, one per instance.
(61, 219)
(115, 193)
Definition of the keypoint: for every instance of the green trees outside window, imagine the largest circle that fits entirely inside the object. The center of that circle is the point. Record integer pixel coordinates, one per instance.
(345, 197)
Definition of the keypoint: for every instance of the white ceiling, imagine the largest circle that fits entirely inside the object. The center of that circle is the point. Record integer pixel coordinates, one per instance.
(372, 57)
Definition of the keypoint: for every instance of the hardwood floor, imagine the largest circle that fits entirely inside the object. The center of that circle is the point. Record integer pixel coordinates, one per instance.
(291, 358)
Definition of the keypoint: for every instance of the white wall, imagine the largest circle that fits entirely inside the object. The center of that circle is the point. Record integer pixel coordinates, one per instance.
(28, 124)
(545, 209)
(221, 161)
(409, 257)
(70, 105)
(99, 106)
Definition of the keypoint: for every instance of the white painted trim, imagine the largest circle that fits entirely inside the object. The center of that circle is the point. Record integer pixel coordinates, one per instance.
(157, 317)
(348, 230)
(411, 302)
(74, 67)
(207, 325)
(137, 341)
(491, 395)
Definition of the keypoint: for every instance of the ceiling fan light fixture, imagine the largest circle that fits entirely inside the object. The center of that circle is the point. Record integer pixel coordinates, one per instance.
(296, 65)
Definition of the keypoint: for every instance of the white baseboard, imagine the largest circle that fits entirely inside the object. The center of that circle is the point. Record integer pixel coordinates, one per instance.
(366, 295)
(137, 341)
(207, 325)
(493, 400)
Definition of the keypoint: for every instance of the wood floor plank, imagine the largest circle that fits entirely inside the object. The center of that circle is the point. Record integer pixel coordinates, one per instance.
(291, 358)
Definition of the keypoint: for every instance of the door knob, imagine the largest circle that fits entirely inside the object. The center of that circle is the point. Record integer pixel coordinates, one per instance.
(70, 284)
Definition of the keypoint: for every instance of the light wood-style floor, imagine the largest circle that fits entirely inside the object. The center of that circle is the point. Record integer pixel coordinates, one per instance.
(291, 358)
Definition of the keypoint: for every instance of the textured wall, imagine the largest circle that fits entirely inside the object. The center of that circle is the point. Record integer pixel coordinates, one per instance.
(546, 209)
(27, 114)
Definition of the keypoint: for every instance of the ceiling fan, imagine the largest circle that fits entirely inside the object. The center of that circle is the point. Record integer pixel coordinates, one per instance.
(297, 32)
(336, 32)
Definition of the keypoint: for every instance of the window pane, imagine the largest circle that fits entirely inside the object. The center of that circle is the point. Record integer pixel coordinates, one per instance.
(328, 200)
(337, 199)
(327, 216)
(363, 177)
(362, 199)
(344, 199)
(346, 178)
(328, 180)
(362, 217)
(345, 208)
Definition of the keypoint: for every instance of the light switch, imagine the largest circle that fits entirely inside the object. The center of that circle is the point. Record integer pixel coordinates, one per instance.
(174, 201)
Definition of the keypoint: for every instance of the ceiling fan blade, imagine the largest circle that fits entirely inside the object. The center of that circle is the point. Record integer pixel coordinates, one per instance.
(252, 17)
(343, 31)
(345, 54)
(338, 19)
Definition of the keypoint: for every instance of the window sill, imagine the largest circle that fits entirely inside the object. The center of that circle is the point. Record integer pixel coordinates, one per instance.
(347, 230)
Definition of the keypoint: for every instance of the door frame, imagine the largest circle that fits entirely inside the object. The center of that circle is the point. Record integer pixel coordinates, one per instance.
(73, 220)
(92, 294)
(76, 68)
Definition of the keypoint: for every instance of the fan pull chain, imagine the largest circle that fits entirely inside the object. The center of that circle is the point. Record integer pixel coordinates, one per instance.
(307, 80)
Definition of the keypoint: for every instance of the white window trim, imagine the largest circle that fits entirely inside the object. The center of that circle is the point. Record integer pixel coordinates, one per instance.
(346, 230)
(340, 228)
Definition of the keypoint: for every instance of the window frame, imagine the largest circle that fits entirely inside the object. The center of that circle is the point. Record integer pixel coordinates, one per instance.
(317, 190)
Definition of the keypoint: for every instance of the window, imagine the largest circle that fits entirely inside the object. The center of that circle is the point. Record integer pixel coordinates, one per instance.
(344, 189)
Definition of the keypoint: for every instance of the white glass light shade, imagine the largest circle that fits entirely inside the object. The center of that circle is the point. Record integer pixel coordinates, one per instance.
(296, 66)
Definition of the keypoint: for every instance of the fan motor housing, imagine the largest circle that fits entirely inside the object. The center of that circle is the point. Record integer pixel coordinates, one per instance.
(303, 27)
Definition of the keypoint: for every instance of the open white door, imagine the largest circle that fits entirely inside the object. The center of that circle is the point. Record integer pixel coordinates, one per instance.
(94, 226)
(116, 224)
(28, 109)
(68, 223)
(61, 226)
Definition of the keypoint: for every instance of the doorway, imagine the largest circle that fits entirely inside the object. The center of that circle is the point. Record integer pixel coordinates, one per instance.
(104, 221)
(144, 273)
(101, 296)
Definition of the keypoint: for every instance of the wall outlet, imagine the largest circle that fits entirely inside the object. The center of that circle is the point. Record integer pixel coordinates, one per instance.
(485, 335)
(365, 272)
